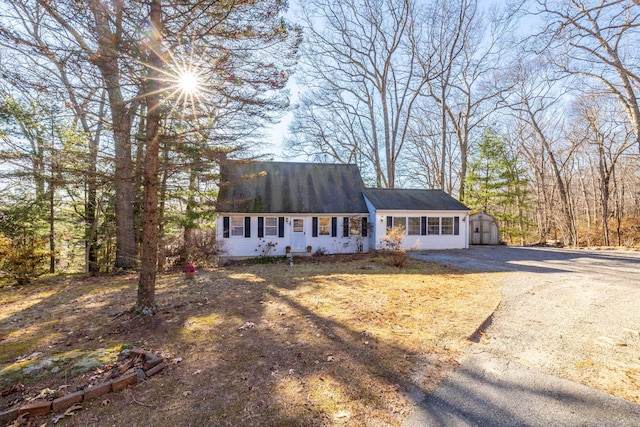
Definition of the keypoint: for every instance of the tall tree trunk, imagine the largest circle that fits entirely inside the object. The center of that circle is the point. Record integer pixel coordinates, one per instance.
(585, 196)
(126, 254)
(388, 152)
(146, 288)
(138, 166)
(618, 191)
(565, 206)
(52, 192)
(189, 227)
(162, 256)
(107, 62)
(37, 167)
(91, 202)
(443, 137)
(463, 138)
(377, 163)
(604, 192)
(91, 227)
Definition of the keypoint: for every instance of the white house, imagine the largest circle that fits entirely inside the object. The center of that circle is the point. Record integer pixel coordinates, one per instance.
(431, 218)
(265, 207)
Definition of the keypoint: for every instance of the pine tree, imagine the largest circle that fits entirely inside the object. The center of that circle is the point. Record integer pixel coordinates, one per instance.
(497, 185)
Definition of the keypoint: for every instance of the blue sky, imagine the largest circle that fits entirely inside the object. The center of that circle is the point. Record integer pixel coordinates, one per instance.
(278, 132)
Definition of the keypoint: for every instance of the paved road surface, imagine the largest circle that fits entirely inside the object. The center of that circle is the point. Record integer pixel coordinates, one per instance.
(566, 317)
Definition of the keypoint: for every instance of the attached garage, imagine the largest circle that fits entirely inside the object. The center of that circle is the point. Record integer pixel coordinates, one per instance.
(432, 219)
(269, 208)
(483, 229)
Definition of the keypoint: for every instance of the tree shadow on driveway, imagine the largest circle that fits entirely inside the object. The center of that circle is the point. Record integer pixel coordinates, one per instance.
(536, 260)
(491, 391)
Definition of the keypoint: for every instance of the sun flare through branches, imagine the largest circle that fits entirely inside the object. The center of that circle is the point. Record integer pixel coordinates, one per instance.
(189, 82)
(185, 87)
(184, 83)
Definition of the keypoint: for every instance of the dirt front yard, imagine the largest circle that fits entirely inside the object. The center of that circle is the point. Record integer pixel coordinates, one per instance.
(331, 341)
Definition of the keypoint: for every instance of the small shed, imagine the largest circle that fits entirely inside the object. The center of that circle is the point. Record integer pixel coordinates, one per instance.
(483, 229)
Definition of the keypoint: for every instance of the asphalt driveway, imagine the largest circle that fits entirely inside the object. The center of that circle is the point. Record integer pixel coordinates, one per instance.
(564, 340)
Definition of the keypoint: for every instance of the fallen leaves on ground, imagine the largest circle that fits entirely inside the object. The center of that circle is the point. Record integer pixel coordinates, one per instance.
(68, 413)
(346, 341)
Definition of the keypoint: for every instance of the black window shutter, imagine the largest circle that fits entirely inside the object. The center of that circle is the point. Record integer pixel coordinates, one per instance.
(225, 227)
(280, 226)
(260, 226)
(389, 222)
(456, 225)
(247, 226)
(314, 226)
(364, 226)
(423, 225)
(345, 226)
(334, 226)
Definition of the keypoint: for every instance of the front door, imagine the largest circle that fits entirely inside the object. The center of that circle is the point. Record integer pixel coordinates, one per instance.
(298, 240)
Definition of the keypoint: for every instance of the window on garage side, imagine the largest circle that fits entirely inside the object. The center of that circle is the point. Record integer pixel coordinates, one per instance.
(400, 221)
(413, 228)
(433, 225)
(447, 225)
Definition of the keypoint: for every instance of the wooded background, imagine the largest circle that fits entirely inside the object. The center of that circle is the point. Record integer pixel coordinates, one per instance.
(114, 116)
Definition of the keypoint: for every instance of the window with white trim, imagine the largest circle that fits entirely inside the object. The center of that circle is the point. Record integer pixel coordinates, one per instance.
(237, 226)
(447, 225)
(271, 226)
(433, 225)
(400, 221)
(414, 226)
(324, 226)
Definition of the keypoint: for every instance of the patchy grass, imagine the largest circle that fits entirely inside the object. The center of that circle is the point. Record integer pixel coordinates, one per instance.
(329, 341)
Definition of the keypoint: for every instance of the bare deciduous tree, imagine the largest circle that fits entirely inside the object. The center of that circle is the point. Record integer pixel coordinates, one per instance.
(598, 125)
(361, 68)
(534, 101)
(465, 59)
(599, 42)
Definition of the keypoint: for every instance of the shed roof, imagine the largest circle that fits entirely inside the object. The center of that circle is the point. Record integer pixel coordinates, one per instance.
(412, 200)
(289, 188)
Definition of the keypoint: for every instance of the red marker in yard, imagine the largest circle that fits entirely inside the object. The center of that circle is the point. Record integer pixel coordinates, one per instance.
(189, 271)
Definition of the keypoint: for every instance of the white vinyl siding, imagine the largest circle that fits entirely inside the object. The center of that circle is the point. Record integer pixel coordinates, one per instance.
(382, 219)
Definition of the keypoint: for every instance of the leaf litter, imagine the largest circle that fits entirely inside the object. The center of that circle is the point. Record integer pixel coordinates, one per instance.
(337, 340)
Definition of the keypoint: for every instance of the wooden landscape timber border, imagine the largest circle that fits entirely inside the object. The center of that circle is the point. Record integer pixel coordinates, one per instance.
(152, 365)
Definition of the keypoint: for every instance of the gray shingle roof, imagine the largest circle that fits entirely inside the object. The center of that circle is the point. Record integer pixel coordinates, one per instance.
(283, 187)
(412, 200)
